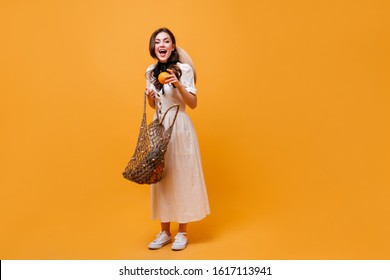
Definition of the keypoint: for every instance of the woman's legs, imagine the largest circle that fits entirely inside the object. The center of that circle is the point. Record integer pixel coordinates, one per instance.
(166, 227)
(183, 227)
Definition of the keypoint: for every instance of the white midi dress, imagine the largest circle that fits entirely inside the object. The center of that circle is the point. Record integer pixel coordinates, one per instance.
(181, 195)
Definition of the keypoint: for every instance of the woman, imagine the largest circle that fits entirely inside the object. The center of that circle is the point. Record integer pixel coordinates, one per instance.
(181, 195)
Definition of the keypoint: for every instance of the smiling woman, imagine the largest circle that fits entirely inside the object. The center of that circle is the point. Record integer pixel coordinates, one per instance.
(181, 195)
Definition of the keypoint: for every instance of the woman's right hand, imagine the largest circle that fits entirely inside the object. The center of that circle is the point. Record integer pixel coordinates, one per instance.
(150, 94)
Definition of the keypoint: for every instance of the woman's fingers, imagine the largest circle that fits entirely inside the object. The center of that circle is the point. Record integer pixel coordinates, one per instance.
(171, 79)
(149, 93)
(171, 76)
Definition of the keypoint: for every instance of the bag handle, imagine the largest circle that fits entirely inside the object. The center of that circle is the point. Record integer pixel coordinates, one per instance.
(144, 103)
(174, 119)
(155, 103)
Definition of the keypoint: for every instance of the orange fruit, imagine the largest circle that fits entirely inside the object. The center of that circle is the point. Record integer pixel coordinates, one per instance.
(162, 76)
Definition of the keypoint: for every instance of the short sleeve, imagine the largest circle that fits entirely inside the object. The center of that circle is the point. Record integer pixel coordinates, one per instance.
(187, 77)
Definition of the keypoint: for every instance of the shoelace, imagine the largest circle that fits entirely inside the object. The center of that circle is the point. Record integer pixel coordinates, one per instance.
(180, 237)
(160, 236)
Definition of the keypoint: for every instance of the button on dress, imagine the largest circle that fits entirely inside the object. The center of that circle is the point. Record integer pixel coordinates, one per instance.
(181, 195)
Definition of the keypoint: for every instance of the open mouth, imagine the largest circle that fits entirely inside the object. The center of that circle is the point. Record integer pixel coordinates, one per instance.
(162, 52)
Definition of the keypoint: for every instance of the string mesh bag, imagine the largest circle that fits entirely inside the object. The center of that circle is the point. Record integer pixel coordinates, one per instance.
(146, 166)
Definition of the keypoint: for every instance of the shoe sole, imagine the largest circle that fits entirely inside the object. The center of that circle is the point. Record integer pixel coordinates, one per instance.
(162, 245)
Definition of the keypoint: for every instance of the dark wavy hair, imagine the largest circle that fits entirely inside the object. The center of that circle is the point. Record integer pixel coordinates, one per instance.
(160, 67)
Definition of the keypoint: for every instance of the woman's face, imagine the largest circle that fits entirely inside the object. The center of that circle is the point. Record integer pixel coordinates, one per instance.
(163, 46)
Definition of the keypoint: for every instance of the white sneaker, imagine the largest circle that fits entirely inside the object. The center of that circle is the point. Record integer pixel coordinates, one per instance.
(161, 239)
(181, 241)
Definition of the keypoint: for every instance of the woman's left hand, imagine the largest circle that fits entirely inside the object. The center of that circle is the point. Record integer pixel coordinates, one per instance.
(172, 79)
(189, 98)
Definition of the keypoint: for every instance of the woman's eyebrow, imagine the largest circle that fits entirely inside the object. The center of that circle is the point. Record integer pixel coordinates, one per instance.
(164, 39)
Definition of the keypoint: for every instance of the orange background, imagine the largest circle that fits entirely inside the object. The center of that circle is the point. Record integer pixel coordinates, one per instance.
(293, 125)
